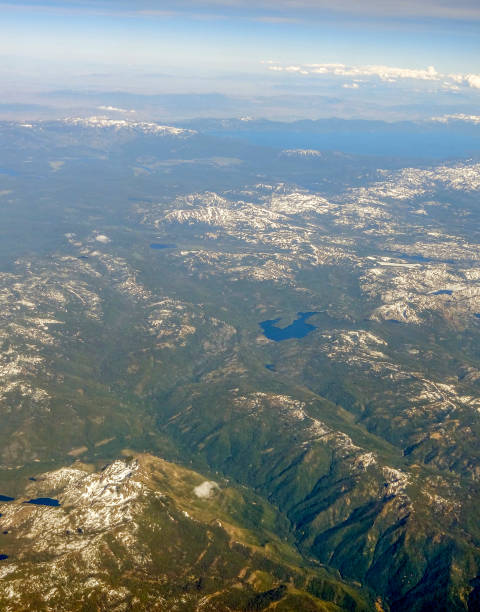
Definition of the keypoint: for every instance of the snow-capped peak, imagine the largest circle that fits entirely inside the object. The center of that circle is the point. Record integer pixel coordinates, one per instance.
(124, 124)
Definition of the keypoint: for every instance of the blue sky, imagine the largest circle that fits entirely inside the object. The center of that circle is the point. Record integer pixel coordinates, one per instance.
(235, 46)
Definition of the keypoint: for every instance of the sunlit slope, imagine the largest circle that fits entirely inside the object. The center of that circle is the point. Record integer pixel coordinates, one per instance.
(144, 534)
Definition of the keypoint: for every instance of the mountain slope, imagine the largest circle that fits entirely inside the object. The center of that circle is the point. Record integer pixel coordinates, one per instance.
(145, 534)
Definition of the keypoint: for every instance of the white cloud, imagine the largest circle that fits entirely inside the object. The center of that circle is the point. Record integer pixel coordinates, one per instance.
(469, 80)
(388, 74)
(102, 238)
(473, 80)
(475, 119)
(206, 489)
(115, 109)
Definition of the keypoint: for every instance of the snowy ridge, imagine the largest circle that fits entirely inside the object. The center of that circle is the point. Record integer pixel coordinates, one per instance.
(124, 124)
(301, 153)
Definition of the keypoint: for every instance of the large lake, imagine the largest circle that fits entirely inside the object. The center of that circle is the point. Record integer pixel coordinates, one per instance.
(43, 501)
(298, 329)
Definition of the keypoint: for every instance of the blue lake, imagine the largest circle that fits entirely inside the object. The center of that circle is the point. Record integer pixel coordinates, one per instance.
(477, 314)
(8, 172)
(3, 557)
(370, 139)
(5, 498)
(418, 258)
(161, 245)
(443, 292)
(270, 367)
(298, 329)
(43, 501)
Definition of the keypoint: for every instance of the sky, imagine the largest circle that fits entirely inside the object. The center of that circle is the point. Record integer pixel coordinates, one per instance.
(421, 53)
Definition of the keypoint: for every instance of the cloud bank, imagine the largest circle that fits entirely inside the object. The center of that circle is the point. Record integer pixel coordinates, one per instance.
(388, 74)
(466, 10)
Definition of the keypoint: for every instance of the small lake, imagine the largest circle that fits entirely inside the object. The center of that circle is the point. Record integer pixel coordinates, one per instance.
(5, 498)
(162, 245)
(298, 329)
(418, 258)
(270, 367)
(477, 314)
(3, 557)
(8, 171)
(443, 292)
(43, 501)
